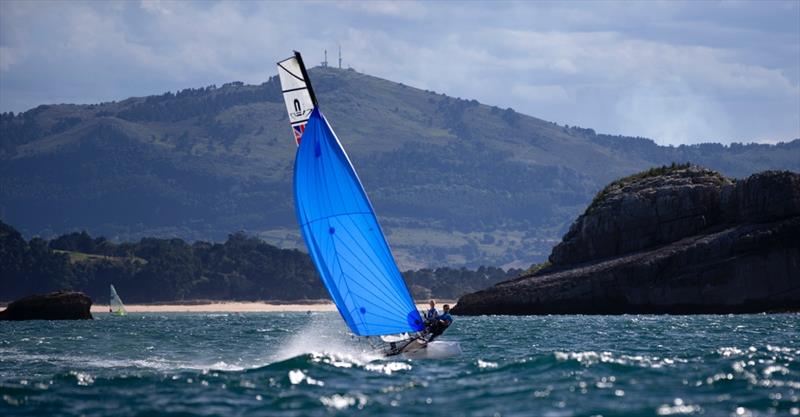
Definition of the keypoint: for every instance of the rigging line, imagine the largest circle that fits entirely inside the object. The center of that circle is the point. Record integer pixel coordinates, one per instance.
(357, 188)
(294, 89)
(373, 268)
(333, 150)
(333, 285)
(390, 285)
(328, 156)
(333, 292)
(290, 73)
(386, 260)
(360, 239)
(352, 295)
(343, 278)
(321, 174)
(371, 292)
(380, 239)
(332, 239)
(349, 213)
(384, 257)
(376, 271)
(389, 320)
(338, 152)
(387, 291)
(339, 278)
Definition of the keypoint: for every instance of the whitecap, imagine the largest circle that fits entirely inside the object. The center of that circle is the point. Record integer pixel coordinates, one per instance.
(297, 376)
(388, 368)
(486, 364)
(340, 402)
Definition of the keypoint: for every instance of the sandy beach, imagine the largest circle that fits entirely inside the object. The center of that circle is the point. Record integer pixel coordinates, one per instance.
(235, 307)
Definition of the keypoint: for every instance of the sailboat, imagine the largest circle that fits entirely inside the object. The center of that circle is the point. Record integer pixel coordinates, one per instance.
(342, 233)
(115, 305)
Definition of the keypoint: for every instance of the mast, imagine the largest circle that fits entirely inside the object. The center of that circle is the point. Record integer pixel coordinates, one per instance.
(305, 77)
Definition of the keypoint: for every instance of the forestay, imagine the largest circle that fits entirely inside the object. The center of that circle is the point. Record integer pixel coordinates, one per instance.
(345, 240)
(297, 93)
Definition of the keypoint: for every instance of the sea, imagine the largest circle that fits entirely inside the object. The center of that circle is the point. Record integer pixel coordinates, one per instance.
(307, 364)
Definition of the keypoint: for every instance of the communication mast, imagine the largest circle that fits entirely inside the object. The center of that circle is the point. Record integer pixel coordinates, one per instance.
(340, 56)
(325, 62)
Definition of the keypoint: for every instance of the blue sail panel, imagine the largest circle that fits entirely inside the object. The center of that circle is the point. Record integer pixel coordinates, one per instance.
(345, 240)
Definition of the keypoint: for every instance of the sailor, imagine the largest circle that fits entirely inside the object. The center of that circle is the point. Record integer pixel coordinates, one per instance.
(432, 314)
(441, 324)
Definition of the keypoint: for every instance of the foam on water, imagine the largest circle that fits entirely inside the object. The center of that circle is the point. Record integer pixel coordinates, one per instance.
(296, 364)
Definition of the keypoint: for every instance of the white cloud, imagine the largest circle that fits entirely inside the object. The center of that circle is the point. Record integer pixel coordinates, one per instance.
(544, 93)
(674, 71)
(672, 113)
(401, 9)
(9, 57)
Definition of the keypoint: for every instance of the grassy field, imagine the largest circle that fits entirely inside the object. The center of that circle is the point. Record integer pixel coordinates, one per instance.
(77, 257)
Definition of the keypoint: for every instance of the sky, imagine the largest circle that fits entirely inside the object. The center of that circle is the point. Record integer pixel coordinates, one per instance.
(675, 72)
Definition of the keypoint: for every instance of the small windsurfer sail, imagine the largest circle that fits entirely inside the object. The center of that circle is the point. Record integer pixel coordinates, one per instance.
(340, 229)
(115, 305)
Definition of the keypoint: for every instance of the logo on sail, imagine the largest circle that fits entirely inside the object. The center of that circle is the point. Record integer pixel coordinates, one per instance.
(298, 132)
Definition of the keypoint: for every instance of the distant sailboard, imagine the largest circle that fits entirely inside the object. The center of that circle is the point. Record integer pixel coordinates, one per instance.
(115, 305)
(340, 229)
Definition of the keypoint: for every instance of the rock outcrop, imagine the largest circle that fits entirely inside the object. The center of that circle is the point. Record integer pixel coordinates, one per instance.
(678, 239)
(54, 306)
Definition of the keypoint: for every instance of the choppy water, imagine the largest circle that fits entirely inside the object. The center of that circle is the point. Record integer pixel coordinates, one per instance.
(306, 365)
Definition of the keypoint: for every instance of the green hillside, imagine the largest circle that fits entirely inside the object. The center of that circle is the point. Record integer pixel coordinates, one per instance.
(454, 182)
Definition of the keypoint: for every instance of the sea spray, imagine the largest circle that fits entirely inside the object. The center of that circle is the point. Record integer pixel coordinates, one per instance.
(324, 334)
(549, 365)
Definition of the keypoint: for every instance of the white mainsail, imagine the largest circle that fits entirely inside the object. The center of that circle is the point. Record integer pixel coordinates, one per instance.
(297, 93)
(115, 305)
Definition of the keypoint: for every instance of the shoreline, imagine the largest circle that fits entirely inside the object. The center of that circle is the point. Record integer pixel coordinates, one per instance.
(237, 307)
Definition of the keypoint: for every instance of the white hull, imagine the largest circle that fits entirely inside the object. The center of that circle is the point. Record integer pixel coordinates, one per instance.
(438, 349)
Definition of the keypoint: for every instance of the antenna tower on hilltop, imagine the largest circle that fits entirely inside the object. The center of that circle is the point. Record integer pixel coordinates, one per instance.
(325, 62)
(340, 56)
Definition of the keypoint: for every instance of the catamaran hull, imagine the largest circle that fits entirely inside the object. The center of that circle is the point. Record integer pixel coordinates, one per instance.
(435, 350)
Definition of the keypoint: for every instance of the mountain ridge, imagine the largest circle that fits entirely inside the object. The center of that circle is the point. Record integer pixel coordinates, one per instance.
(453, 181)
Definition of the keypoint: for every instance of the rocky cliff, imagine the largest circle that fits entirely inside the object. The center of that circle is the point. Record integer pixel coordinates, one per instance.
(678, 240)
(61, 305)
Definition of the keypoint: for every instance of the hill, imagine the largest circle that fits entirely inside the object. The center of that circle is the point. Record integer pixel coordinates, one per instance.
(453, 181)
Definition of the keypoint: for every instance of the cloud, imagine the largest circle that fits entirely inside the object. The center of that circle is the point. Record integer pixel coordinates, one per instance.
(9, 57)
(544, 93)
(400, 9)
(673, 113)
(673, 71)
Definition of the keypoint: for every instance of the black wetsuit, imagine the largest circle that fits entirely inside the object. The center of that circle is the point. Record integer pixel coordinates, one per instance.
(439, 326)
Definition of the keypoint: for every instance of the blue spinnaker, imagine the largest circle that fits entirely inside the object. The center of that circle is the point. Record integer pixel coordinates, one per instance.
(345, 240)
